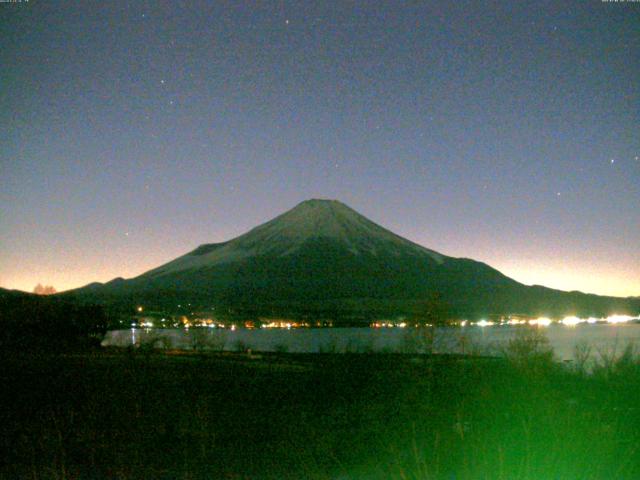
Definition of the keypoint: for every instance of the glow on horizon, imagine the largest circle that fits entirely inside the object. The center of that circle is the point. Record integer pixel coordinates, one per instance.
(561, 264)
(73, 270)
(586, 280)
(607, 284)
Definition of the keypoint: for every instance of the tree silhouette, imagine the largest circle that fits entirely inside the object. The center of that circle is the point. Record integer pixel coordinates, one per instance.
(39, 289)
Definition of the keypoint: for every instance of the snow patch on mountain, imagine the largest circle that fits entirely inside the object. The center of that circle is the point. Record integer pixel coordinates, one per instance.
(287, 233)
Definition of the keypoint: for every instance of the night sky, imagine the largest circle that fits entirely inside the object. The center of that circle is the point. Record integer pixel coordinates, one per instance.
(507, 132)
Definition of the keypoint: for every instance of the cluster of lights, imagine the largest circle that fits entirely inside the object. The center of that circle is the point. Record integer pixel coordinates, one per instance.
(388, 325)
(541, 322)
(570, 321)
(620, 318)
(285, 324)
(484, 323)
(514, 321)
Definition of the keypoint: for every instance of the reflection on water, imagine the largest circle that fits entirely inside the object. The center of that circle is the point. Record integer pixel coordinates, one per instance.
(562, 338)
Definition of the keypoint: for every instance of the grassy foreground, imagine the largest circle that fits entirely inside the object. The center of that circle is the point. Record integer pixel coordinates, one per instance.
(369, 416)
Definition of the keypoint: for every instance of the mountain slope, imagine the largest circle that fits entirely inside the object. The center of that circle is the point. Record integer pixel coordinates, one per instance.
(323, 258)
(291, 232)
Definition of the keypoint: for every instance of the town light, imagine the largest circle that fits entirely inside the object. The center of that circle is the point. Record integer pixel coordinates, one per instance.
(484, 323)
(618, 318)
(541, 321)
(571, 321)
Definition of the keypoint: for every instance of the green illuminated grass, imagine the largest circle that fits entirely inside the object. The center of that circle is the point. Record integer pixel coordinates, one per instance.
(154, 415)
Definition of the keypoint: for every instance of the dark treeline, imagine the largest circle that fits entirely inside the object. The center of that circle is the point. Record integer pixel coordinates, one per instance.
(49, 323)
(246, 302)
(432, 309)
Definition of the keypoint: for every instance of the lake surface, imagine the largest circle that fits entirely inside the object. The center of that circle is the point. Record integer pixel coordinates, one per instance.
(610, 338)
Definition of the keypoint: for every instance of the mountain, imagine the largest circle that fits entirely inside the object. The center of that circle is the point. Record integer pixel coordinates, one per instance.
(324, 259)
(9, 294)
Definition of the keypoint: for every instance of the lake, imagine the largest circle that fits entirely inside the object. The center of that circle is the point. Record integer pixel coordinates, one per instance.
(610, 338)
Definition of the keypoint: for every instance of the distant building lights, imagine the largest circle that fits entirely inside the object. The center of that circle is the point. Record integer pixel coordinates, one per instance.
(571, 321)
(544, 322)
(484, 323)
(541, 322)
(618, 318)
(514, 321)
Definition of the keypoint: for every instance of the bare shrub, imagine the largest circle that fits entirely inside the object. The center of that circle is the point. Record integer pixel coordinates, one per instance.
(466, 345)
(364, 346)
(359, 345)
(202, 339)
(217, 340)
(581, 356)
(608, 362)
(418, 340)
(528, 349)
(241, 346)
(198, 339)
(153, 340)
(629, 358)
(351, 346)
(331, 346)
(162, 342)
(447, 340)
